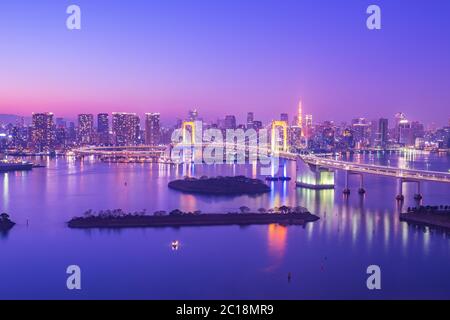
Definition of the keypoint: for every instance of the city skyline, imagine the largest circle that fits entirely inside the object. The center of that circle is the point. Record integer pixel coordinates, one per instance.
(319, 52)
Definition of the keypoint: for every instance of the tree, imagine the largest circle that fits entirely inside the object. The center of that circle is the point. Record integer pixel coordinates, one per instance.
(4, 216)
(262, 210)
(176, 212)
(285, 209)
(244, 209)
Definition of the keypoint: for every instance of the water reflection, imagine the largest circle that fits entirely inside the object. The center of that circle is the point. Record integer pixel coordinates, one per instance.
(276, 245)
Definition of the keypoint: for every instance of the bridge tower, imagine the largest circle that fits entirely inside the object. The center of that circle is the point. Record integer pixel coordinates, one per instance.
(188, 135)
(275, 147)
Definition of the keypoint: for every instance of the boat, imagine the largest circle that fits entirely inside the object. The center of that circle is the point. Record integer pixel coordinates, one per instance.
(7, 165)
(175, 245)
(285, 178)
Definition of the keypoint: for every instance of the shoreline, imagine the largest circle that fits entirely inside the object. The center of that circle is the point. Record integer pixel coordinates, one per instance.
(191, 220)
(432, 218)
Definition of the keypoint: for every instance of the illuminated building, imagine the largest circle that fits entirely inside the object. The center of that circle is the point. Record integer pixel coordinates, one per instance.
(381, 139)
(300, 116)
(43, 131)
(250, 120)
(152, 129)
(125, 127)
(307, 128)
(85, 128)
(230, 122)
(284, 117)
(103, 128)
(193, 115)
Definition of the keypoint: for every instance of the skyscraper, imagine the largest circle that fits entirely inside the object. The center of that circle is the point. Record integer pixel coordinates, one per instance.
(308, 127)
(103, 128)
(152, 129)
(381, 139)
(300, 116)
(250, 120)
(43, 131)
(230, 122)
(125, 127)
(193, 115)
(85, 128)
(284, 117)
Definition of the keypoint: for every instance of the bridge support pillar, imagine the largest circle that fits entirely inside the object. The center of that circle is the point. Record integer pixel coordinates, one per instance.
(346, 189)
(418, 196)
(400, 196)
(361, 190)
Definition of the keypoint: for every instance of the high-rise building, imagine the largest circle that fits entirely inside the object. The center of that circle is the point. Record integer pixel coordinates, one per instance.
(308, 120)
(193, 115)
(300, 116)
(125, 127)
(43, 131)
(230, 122)
(361, 132)
(307, 128)
(284, 117)
(381, 139)
(250, 120)
(152, 129)
(85, 128)
(405, 133)
(103, 128)
(399, 118)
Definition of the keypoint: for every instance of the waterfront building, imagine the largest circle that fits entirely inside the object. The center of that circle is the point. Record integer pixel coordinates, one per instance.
(85, 129)
(43, 132)
(152, 129)
(103, 128)
(230, 122)
(125, 128)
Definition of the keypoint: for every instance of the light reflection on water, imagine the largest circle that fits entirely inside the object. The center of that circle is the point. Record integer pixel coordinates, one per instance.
(219, 262)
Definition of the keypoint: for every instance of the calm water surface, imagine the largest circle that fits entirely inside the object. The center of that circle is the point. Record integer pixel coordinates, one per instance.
(327, 259)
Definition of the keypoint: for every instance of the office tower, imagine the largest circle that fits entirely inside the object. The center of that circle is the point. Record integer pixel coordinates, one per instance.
(152, 129)
(284, 117)
(85, 128)
(71, 133)
(405, 133)
(308, 120)
(125, 127)
(103, 128)
(300, 115)
(361, 132)
(399, 118)
(193, 115)
(381, 139)
(61, 136)
(230, 122)
(60, 122)
(43, 131)
(295, 137)
(257, 125)
(250, 120)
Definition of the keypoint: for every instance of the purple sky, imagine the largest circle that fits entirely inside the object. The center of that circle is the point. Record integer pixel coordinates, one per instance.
(227, 57)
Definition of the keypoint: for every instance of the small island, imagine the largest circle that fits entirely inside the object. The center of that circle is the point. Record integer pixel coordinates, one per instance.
(431, 216)
(177, 218)
(5, 223)
(238, 185)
